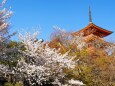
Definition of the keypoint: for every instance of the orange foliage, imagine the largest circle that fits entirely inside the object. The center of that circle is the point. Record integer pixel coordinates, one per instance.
(56, 43)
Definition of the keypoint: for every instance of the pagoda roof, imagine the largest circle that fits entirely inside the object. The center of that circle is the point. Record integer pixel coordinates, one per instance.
(91, 28)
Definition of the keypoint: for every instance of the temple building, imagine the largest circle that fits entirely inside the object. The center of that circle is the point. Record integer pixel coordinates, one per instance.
(94, 35)
(94, 29)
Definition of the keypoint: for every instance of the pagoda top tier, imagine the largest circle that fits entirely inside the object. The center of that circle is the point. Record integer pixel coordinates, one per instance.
(91, 28)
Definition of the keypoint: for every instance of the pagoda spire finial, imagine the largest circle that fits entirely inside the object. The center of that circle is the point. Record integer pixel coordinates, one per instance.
(90, 17)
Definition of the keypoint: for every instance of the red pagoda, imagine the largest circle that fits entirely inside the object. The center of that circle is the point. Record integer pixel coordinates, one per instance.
(93, 29)
(94, 35)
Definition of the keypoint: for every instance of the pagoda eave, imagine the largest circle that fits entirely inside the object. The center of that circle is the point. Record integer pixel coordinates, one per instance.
(94, 29)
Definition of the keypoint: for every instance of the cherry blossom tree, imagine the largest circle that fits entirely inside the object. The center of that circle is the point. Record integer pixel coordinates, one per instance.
(6, 53)
(4, 15)
(4, 25)
(41, 64)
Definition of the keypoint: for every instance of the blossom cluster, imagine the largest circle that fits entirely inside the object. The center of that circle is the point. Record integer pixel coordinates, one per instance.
(41, 63)
(4, 15)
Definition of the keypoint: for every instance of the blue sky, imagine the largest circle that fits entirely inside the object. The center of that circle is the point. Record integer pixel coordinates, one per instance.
(71, 15)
